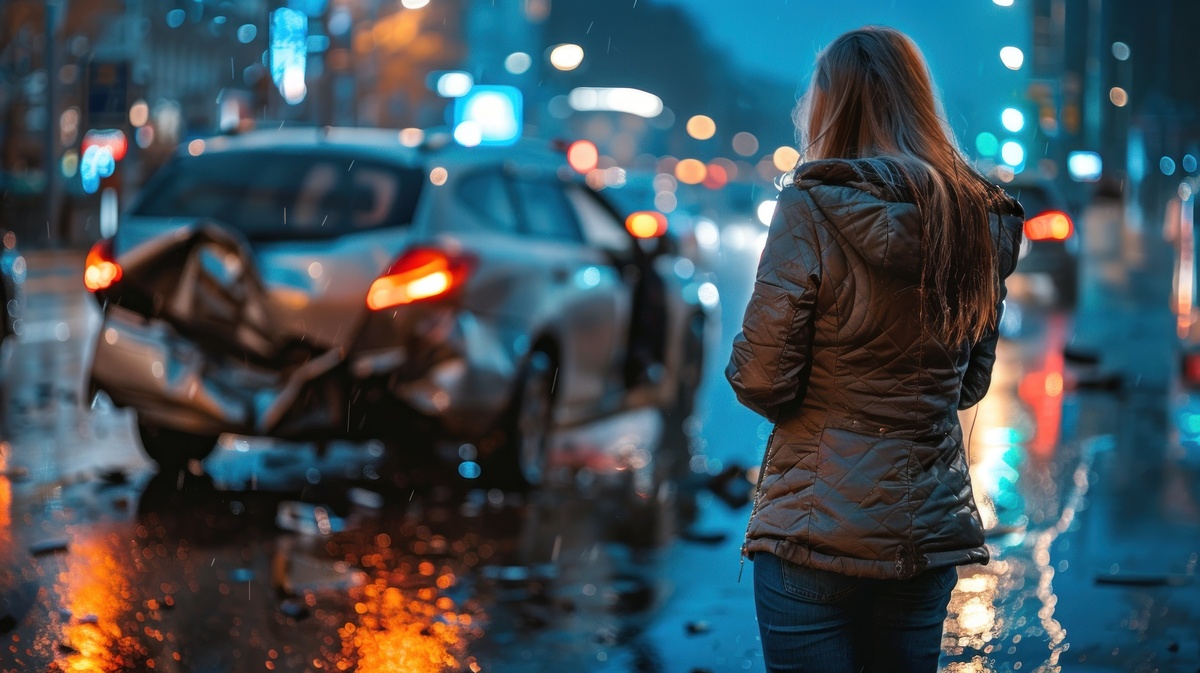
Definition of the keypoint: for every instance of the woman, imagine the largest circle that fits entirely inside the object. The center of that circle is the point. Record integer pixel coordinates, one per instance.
(872, 322)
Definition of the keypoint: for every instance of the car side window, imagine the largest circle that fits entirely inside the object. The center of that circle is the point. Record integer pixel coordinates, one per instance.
(486, 193)
(547, 213)
(601, 227)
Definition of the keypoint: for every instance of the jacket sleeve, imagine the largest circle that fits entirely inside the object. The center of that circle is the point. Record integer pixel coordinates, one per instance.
(978, 378)
(772, 354)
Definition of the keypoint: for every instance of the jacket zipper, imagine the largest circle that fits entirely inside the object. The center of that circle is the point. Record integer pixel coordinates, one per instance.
(762, 474)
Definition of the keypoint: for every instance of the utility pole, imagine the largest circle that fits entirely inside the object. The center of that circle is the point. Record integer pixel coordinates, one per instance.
(50, 161)
(1093, 94)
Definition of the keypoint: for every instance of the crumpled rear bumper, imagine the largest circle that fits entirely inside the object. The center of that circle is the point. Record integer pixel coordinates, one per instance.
(147, 365)
(462, 385)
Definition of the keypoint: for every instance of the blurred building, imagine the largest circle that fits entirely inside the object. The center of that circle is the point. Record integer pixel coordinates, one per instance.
(1114, 78)
(139, 77)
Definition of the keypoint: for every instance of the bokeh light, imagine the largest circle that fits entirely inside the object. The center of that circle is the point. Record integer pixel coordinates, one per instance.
(412, 137)
(745, 144)
(1012, 119)
(646, 224)
(468, 133)
(1118, 96)
(566, 56)
(438, 175)
(701, 127)
(583, 156)
(139, 114)
(1012, 153)
(1120, 51)
(246, 33)
(414, 4)
(1012, 58)
(454, 84)
(716, 177)
(987, 144)
(785, 158)
(518, 63)
(691, 171)
(766, 210)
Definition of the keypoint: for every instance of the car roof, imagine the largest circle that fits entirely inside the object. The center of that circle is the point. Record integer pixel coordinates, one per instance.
(385, 145)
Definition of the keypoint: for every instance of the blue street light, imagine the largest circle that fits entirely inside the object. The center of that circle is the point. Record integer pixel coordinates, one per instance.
(289, 53)
(1085, 166)
(1012, 119)
(1012, 153)
(987, 144)
(488, 115)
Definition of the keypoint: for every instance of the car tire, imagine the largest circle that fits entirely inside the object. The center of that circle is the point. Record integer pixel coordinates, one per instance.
(172, 450)
(522, 461)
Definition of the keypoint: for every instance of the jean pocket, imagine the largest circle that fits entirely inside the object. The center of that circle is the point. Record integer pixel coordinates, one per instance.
(817, 586)
(947, 578)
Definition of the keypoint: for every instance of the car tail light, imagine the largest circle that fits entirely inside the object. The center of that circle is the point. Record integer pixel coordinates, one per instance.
(420, 274)
(1191, 369)
(646, 224)
(101, 269)
(1049, 226)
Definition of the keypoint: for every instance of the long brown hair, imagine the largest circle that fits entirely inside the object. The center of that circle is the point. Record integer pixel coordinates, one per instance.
(871, 96)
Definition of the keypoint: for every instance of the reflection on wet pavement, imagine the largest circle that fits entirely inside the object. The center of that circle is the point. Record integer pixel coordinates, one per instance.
(281, 557)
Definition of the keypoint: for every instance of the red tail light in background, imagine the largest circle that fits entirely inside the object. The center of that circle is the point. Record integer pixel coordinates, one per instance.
(101, 269)
(1049, 226)
(646, 224)
(419, 274)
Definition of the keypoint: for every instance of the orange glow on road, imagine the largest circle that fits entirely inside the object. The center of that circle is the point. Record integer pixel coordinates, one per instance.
(396, 632)
(93, 585)
(1042, 390)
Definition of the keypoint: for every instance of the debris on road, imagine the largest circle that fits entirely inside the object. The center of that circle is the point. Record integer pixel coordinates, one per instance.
(50, 546)
(293, 608)
(364, 498)
(308, 519)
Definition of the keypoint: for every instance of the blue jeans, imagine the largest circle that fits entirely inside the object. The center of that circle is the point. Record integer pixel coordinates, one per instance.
(827, 622)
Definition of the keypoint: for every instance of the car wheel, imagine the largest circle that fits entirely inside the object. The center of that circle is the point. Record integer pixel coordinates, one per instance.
(523, 460)
(174, 449)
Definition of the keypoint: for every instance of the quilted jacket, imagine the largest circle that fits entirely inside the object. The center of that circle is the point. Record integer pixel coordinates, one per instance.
(864, 473)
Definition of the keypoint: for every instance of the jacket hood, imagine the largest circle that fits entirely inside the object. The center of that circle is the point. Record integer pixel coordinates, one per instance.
(874, 210)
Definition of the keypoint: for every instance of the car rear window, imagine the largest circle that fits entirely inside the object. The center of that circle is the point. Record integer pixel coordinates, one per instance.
(272, 195)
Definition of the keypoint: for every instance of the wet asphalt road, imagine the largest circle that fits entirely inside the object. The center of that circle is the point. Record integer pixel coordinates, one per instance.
(275, 558)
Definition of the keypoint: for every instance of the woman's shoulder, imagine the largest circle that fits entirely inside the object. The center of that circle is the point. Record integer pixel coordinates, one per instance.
(880, 177)
(887, 179)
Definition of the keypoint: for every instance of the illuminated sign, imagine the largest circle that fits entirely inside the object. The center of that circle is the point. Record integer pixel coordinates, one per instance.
(488, 115)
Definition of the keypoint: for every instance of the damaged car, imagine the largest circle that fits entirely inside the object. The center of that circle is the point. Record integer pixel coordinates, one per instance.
(321, 284)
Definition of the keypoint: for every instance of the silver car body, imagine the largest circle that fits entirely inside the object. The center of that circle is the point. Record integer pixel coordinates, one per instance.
(455, 362)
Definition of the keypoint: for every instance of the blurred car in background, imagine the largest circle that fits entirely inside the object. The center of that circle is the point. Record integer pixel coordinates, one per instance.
(334, 283)
(1048, 266)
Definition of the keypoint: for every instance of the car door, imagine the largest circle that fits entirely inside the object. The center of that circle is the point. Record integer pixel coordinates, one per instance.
(582, 293)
